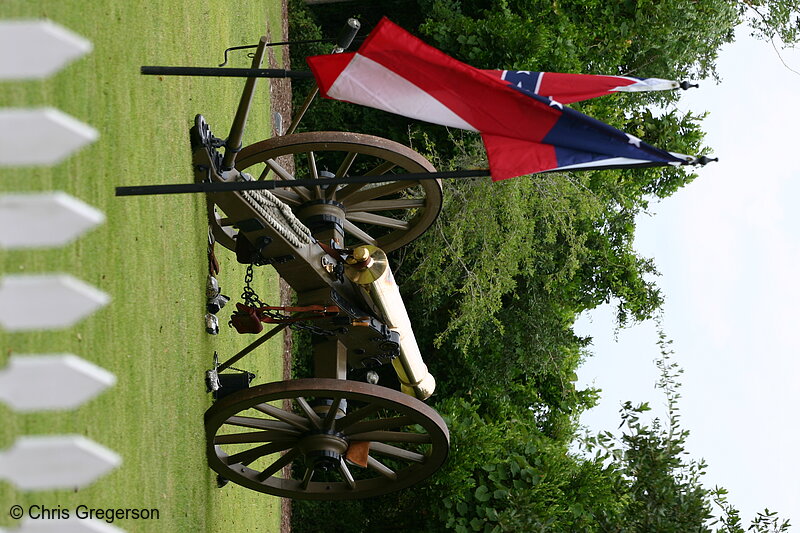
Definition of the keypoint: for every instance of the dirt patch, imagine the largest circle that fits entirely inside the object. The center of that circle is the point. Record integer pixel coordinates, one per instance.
(280, 92)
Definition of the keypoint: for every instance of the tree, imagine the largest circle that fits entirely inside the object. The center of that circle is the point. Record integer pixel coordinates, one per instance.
(662, 487)
(771, 19)
(645, 38)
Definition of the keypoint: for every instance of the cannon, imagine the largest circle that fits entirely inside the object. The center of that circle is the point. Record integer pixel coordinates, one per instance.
(340, 434)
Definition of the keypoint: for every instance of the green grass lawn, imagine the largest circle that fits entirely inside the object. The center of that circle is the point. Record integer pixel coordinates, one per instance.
(149, 255)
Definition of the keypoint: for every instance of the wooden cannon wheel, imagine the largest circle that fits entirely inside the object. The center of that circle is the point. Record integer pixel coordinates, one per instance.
(387, 215)
(318, 432)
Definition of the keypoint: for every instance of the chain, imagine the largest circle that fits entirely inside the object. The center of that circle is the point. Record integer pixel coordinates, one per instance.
(251, 299)
(315, 330)
(249, 296)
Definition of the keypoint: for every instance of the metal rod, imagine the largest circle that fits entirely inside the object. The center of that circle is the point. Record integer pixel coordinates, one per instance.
(344, 40)
(227, 72)
(234, 141)
(252, 346)
(303, 108)
(138, 190)
(207, 187)
(244, 47)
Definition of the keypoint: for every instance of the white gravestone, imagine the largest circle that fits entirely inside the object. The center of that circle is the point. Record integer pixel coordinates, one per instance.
(44, 219)
(44, 136)
(48, 301)
(37, 48)
(51, 382)
(56, 462)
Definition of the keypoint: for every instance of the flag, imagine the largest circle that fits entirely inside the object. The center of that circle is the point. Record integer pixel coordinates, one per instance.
(523, 132)
(569, 88)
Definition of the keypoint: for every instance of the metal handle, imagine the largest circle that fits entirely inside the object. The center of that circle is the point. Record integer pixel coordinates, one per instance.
(345, 39)
(347, 34)
(234, 141)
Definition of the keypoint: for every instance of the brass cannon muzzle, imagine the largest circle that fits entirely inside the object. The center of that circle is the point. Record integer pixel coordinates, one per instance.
(369, 268)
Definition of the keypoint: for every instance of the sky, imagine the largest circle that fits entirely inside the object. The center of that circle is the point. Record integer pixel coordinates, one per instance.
(728, 250)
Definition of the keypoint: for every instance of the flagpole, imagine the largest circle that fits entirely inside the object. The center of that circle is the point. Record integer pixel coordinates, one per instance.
(227, 72)
(209, 187)
(230, 186)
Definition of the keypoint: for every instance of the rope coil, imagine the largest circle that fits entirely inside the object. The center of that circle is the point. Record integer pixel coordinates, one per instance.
(279, 216)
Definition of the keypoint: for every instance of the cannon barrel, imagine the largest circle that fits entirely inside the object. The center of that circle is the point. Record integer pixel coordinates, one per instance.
(370, 270)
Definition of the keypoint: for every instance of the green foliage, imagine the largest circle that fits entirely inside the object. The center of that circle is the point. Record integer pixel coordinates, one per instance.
(773, 18)
(642, 38)
(765, 521)
(495, 284)
(517, 479)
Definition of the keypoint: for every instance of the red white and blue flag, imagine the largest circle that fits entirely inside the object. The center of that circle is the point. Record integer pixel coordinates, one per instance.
(523, 132)
(569, 88)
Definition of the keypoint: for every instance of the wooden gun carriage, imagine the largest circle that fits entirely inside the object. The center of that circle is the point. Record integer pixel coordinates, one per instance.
(327, 437)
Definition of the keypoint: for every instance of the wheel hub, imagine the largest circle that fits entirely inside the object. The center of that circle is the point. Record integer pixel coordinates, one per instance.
(323, 449)
(319, 215)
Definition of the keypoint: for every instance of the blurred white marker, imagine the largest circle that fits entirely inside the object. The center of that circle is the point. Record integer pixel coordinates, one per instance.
(54, 301)
(56, 462)
(51, 382)
(37, 48)
(44, 219)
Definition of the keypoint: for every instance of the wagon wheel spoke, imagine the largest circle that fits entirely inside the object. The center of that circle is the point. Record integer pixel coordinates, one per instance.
(330, 418)
(264, 173)
(381, 468)
(309, 473)
(285, 175)
(355, 416)
(280, 172)
(392, 436)
(378, 424)
(288, 196)
(348, 476)
(342, 171)
(388, 205)
(380, 169)
(255, 436)
(378, 220)
(261, 423)
(287, 458)
(379, 191)
(344, 167)
(346, 191)
(359, 233)
(396, 453)
(309, 412)
(248, 456)
(314, 173)
(285, 416)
